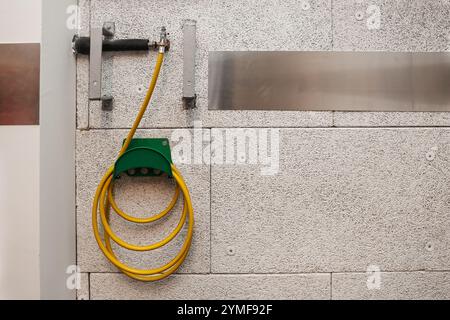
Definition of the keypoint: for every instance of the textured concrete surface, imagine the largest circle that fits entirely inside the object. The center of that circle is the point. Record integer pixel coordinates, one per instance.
(308, 286)
(83, 68)
(391, 119)
(343, 199)
(96, 151)
(393, 285)
(83, 291)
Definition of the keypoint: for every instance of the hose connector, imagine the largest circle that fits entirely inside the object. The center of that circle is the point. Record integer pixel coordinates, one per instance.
(164, 43)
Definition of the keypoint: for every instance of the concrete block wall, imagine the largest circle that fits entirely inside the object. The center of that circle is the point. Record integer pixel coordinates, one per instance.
(355, 191)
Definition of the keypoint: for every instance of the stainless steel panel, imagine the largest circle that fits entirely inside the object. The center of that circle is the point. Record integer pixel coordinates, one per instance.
(351, 81)
(19, 83)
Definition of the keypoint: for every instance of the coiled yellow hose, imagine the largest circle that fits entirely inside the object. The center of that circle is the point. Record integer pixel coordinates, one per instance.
(104, 200)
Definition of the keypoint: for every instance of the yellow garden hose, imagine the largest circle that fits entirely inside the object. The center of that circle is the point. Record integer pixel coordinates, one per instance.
(104, 201)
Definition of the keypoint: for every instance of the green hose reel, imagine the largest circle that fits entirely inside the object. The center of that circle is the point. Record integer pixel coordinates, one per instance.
(145, 157)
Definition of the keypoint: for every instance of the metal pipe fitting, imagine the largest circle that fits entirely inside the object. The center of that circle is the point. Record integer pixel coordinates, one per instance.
(164, 44)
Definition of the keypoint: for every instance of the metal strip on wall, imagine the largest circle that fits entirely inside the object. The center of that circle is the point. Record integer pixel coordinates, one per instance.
(189, 52)
(325, 81)
(19, 83)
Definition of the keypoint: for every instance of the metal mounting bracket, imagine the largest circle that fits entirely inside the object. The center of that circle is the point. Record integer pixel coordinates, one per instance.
(189, 51)
(95, 64)
(101, 40)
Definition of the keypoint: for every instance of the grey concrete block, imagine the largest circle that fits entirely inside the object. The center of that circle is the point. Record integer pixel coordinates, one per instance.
(391, 119)
(235, 25)
(404, 25)
(307, 286)
(393, 286)
(96, 151)
(83, 291)
(343, 199)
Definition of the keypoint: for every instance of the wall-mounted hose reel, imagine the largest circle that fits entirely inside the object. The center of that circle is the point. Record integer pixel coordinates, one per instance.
(145, 158)
(138, 157)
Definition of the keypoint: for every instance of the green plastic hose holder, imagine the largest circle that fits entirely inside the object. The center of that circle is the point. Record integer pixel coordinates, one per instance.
(145, 157)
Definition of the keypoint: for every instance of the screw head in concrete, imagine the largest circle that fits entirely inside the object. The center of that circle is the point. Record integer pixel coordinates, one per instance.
(429, 246)
(359, 15)
(306, 5)
(109, 28)
(231, 251)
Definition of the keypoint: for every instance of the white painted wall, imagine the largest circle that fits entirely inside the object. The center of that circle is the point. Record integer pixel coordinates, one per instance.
(19, 212)
(20, 22)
